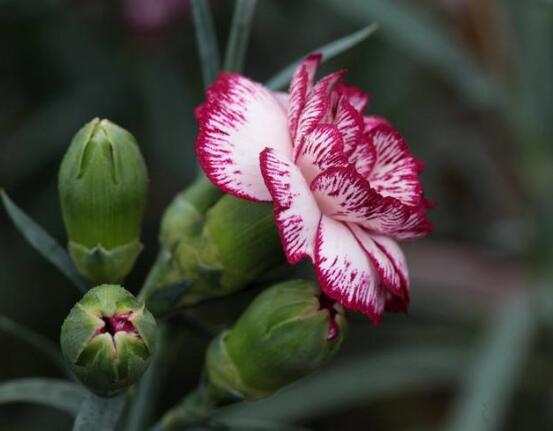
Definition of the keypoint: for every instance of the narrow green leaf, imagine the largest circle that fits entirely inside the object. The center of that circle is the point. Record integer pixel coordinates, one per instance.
(330, 50)
(489, 387)
(58, 394)
(40, 343)
(425, 41)
(237, 44)
(42, 242)
(99, 414)
(357, 382)
(206, 40)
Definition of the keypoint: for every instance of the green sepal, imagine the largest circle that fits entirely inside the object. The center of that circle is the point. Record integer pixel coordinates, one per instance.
(101, 265)
(223, 373)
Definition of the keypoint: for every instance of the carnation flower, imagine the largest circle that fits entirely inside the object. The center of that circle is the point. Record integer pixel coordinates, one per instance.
(344, 186)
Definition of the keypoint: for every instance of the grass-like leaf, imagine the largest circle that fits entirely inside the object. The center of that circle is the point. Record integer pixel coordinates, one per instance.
(358, 381)
(239, 35)
(426, 42)
(206, 40)
(490, 384)
(40, 343)
(42, 242)
(98, 413)
(330, 50)
(58, 394)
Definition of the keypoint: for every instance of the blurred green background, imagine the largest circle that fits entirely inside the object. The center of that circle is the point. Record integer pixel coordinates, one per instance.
(469, 83)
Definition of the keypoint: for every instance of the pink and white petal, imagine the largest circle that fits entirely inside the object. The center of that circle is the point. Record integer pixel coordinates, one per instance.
(239, 119)
(372, 121)
(297, 214)
(395, 172)
(282, 98)
(358, 99)
(300, 86)
(344, 270)
(363, 157)
(388, 260)
(322, 149)
(395, 304)
(316, 107)
(346, 196)
(350, 124)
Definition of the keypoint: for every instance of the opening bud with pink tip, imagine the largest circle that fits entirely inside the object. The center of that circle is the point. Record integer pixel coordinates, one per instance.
(108, 338)
(287, 332)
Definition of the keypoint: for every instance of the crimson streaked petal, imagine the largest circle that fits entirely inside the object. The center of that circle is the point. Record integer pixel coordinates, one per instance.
(296, 211)
(344, 195)
(350, 124)
(239, 119)
(344, 270)
(388, 260)
(395, 171)
(363, 157)
(300, 86)
(316, 107)
(322, 149)
(395, 304)
(356, 98)
(372, 121)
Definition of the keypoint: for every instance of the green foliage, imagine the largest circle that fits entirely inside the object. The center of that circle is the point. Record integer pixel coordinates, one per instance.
(329, 51)
(206, 40)
(37, 341)
(58, 394)
(237, 45)
(42, 242)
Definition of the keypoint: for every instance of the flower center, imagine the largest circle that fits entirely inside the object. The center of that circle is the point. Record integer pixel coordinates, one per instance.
(117, 323)
(325, 303)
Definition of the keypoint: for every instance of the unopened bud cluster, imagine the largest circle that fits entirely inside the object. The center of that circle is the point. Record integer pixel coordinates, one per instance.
(215, 246)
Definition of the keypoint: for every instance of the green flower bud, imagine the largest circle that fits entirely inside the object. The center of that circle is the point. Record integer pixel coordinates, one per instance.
(102, 186)
(213, 252)
(108, 338)
(287, 332)
(184, 217)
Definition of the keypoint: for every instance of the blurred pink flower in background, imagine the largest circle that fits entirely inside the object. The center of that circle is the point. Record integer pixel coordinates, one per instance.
(152, 15)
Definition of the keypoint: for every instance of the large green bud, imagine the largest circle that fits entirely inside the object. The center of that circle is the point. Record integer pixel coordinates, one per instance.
(212, 247)
(108, 338)
(102, 186)
(287, 332)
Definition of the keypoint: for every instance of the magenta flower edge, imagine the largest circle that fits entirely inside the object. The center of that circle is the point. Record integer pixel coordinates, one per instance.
(344, 186)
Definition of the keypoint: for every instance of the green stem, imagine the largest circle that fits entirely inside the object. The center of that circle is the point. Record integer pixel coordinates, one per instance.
(196, 407)
(99, 413)
(149, 387)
